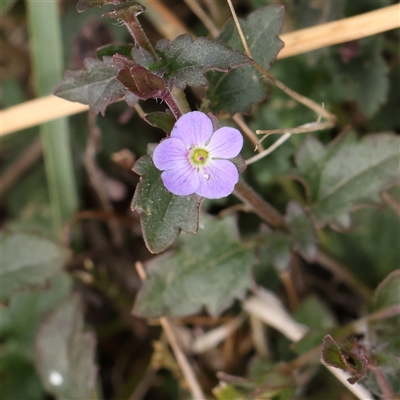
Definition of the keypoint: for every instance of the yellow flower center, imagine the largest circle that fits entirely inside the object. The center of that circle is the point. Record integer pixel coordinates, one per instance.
(198, 156)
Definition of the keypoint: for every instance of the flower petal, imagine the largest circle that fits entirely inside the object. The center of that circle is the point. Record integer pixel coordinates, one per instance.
(182, 181)
(193, 128)
(170, 153)
(218, 179)
(226, 142)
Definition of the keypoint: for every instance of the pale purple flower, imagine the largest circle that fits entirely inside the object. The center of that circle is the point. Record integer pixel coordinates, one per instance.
(196, 160)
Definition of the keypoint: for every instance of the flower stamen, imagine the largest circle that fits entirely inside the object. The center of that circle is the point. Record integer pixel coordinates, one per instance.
(198, 156)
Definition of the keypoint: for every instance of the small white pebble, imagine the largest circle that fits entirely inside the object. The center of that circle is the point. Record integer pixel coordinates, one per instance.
(55, 378)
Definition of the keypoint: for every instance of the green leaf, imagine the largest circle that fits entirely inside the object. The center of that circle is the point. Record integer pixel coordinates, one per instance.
(388, 292)
(277, 249)
(309, 159)
(162, 120)
(19, 323)
(265, 382)
(6, 5)
(44, 25)
(317, 316)
(163, 214)
(364, 77)
(237, 90)
(349, 173)
(335, 356)
(302, 230)
(109, 50)
(65, 353)
(96, 85)
(208, 270)
(28, 261)
(227, 392)
(185, 60)
(305, 13)
(19, 379)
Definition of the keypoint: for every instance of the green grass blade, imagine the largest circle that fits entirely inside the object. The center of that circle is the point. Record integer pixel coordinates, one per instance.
(47, 63)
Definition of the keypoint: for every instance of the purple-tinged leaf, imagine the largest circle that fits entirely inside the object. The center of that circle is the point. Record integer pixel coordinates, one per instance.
(127, 13)
(333, 355)
(185, 60)
(96, 85)
(142, 83)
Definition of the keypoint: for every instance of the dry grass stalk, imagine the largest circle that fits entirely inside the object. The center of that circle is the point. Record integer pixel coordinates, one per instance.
(45, 109)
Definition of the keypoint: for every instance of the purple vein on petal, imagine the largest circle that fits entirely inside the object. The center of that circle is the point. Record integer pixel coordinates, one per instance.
(170, 153)
(182, 181)
(193, 128)
(223, 176)
(226, 142)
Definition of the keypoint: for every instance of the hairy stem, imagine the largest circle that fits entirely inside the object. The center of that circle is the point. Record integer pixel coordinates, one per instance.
(172, 104)
(129, 17)
(387, 391)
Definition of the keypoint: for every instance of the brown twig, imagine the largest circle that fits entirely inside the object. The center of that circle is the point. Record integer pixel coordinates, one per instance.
(50, 107)
(341, 271)
(387, 391)
(203, 17)
(258, 205)
(28, 157)
(163, 19)
(247, 131)
(96, 178)
(270, 215)
(391, 201)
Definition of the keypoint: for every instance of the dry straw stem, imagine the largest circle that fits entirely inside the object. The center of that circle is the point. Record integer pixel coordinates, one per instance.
(45, 109)
(190, 377)
(268, 308)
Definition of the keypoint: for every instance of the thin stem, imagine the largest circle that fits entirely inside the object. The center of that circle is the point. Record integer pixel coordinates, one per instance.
(129, 17)
(203, 17)
(310, 127)
(301, 99)
(344, 274)
(183, 362)
(180, 356)
(320, 110)
(96, 178)
(247, 131)
(270, 149)
(23, 163)
(172, 104)
(239, 28)
(387, 391)
(180, 100)
(391, 201)
(51, 107)
(259, 206)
